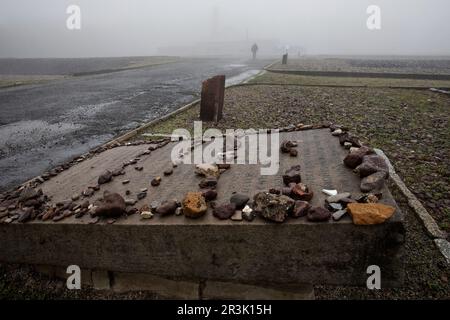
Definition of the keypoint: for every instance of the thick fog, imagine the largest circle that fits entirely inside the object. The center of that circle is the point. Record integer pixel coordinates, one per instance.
(37, 28)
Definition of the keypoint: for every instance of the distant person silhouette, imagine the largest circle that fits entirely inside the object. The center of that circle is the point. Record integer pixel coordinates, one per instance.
(254, 50)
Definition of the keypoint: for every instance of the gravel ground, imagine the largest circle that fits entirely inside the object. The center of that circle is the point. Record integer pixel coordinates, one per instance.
(412, 65)
(286, 79)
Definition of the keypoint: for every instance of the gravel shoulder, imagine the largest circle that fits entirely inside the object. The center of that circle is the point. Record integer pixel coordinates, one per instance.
(369, 64)
(288, 79)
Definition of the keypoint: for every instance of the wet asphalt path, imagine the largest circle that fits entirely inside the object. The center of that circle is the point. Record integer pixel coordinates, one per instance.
(44, 125)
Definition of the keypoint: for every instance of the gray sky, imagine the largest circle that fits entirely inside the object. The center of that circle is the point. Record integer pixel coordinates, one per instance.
(37, 28)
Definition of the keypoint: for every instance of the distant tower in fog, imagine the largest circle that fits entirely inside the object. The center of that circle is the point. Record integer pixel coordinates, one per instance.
(215, 21)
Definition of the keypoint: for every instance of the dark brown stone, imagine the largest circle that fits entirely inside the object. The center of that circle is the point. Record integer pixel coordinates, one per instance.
(293, 153)
(355, 158)
(208, 182)
(292, 175)
(113, 206)
(301, 192)
(275, 191)
(319, 214)
(168, 172)
(209, 194)
(167, 208)
(156, 182)
(300, 209)
(287, 145)
(224, 166)
(224, 211)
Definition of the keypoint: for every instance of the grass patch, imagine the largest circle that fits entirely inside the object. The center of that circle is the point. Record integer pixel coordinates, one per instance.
(289, 79)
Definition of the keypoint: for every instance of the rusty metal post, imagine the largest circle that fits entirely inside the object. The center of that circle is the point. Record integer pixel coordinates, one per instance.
(213, 92)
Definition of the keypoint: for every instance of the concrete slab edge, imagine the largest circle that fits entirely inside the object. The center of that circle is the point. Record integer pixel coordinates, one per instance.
(427, 220)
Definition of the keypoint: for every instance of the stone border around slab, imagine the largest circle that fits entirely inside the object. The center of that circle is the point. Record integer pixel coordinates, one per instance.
(427, 220)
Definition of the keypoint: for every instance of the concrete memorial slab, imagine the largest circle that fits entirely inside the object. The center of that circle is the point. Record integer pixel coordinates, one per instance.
(255, 253)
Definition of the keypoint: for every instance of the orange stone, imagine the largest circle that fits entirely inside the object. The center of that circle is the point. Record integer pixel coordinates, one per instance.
(194, 205)
(369, 213)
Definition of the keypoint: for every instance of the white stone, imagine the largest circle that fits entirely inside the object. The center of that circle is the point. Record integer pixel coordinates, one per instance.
(330, 192)
(347, 145)
(146, 215)
(247, 210)
(353, 149)
(130, 202)
(337, 132)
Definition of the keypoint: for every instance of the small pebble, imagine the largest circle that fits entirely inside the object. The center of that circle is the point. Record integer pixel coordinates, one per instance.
(339, 214)
(179, 211)
(130, 202)
(330, 192)
(293, 153)
(94, 221)
(75, 197)
(146, 215)
(141, 195)
(337, 132)
(237, 216)
(247, 213)
(156, 182)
